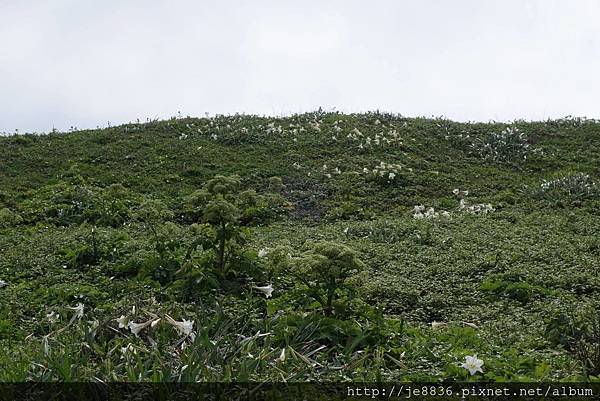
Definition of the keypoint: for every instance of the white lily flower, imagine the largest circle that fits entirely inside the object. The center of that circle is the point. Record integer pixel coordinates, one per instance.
(267, 290)
(472, 364)
(262, 253)
(391, 176)
(281, 356)
(438, 325)
(53, 317)
(418, 209)
(122, 321)
(137, 327)
(184, 327)
(129, 348)
(78, 310)
(46, 346)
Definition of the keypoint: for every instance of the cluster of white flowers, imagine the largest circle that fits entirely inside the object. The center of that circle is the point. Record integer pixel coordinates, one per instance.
(336, 126)
(273, 129)
(220, 127)
(384, 170)
(316, 125)
(379, 139)
(510, 144)
(479, 208)
(574, 183)
(183, 327)
(421, 212)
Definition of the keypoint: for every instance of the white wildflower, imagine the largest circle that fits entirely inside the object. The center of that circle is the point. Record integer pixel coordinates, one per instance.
(45, 345)
(437, 325)
(122, 321)
(262, 253)
(128, 349)
(267, 290)
(53, 317)
(137, 327)
(184, 327)
(472, 364)
(78, 310)
(391, 176)
(418, 209)
(281, 356)
(3, 283)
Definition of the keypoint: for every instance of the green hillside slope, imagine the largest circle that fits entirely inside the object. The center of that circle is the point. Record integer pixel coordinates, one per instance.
(464, 239)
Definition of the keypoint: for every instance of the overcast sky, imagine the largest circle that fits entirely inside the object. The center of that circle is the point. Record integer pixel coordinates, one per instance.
(83, 63)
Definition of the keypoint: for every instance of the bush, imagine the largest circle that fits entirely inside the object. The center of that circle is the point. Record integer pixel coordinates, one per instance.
(328, 272)
(568, 189)
(65, 204)
(510, 145)
(253, 208)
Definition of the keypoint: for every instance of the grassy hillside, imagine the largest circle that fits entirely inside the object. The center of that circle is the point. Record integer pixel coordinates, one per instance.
(464, 239)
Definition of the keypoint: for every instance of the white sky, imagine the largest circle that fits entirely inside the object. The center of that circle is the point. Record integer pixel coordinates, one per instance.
(82, 63)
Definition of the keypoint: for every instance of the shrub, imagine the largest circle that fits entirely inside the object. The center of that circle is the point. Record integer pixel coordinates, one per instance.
(328, 272)
(567, 189)
(510, 145)
(65, 204)
(252, 208)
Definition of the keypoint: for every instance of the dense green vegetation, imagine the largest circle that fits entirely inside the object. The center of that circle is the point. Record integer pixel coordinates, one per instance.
(321, 246)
